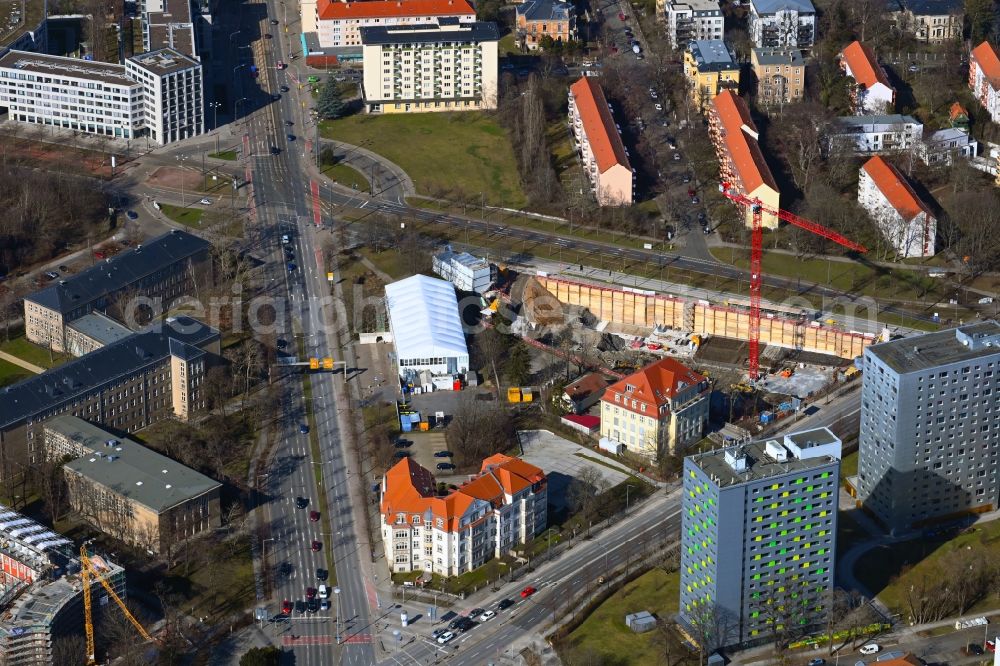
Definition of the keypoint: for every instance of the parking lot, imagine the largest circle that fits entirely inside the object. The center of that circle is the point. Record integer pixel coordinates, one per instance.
(560, 460)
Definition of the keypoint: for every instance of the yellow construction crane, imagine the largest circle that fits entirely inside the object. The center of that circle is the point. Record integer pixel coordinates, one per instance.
(87, 570)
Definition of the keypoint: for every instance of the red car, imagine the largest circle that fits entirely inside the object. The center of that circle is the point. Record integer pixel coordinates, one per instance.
(316, 546)
(314, 516)
(310, 593)
(286, 607)
(527, 592)
(621, 16)
(991, 646)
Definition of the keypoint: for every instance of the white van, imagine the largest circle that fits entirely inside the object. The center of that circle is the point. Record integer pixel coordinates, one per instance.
(324, 592)
(871, 648)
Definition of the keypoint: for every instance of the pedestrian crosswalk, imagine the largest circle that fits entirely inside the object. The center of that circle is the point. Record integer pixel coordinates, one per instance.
(288, 641)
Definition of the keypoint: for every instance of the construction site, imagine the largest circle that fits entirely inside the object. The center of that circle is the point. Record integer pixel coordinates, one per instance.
(616, 330)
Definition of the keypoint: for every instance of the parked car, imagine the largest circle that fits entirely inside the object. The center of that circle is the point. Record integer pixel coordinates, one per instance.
(445, 466)
(274, 22)
(290, 137)
(445, 637)
(437, 632)
(132, 215)
(443, 454)
(817, 662)
(527, 592)
(283, 88)
(268, 35)
(312, 605)
(281, 343)
(621, 16)
(324, 605)
(973, 649)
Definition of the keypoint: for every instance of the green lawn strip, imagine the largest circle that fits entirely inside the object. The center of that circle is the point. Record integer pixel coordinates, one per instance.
(32, 353)
(604, 632)
(881, 569)
(314, 450)
(447, 152)
(229, 155)
(389, 262)
(10, 373)
(190, 217)
(849, 465)
(347, 176)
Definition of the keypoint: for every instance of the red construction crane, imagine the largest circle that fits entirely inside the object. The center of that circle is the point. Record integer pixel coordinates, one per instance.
(756, 254)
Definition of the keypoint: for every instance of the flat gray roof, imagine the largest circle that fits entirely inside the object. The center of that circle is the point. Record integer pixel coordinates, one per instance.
(49, 65)
(759, 466)
(773, 6)
(711, 54)
(431, 33)
(766, 56)
(863, 121)
(164, 61)
(815, 437)
(116, 272)
(129, 468)
(79, 377)
(100, 327)
(698, 5)
(931, 350)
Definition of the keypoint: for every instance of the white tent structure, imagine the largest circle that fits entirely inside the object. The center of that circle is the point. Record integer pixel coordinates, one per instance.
(426, 327)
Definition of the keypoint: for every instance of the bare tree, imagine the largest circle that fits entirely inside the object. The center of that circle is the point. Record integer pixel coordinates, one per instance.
(478, 430)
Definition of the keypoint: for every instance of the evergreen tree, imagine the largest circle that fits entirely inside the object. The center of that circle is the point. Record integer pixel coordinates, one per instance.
(330, 105)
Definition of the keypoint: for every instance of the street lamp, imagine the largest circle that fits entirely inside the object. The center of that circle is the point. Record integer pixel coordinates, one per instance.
(182, 158)
(627, 487)
(336, 593)
(215, 116)
(235, 104)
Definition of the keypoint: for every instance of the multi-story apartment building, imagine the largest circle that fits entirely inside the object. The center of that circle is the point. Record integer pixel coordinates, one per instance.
(944, 145)
(758, 537)
(691, 20)
(873, 135)
(780, 74)
(129, 491)
(872, 93)
(709, 68)
(929, 21)
(162, 270)
(930, 426)
(338, 23)
(984, 78)
(81, 95)
(536, 19)
(127, 385)
(156, 94)
(599, 144)
(741, 162)
(902, 217)
(782, 23)
(656, 411)
(173, 101)
(442, 66)
(41, 589)
(486, 517)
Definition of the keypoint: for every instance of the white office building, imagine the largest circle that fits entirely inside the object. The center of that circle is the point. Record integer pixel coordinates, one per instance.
(85, 96)
(156, 94)
(441, 66)
(782, 23)
(466, 272)
(338, 23)
(692, 20)
(173, 106)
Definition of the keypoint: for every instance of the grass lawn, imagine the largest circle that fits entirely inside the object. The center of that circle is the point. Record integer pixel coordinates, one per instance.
(605, 633)
(347, 176)
(456, 153)
(190, 217)
(225, 586)
(508, 45)
(391, 262)
(32, 353)
(849, 465)
(879, 569)
(10, 373)
(224, 155)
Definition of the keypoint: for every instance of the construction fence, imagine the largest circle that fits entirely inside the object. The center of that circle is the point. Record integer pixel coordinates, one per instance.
(649, 309)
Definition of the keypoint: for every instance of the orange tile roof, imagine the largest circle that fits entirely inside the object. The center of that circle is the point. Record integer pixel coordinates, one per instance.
(986, 57)
(895, 188)
(598, 124)
(906, 660)
(657, 383)
(956, 111)
(410, 488)
(744, 151)
(864, 67)
(333, 10)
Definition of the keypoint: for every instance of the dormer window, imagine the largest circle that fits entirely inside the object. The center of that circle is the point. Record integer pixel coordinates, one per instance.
(416, 520)
(629, 388)
(401, 518)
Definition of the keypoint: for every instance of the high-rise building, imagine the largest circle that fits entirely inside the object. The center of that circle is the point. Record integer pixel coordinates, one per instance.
(930, 426)
(758, 537)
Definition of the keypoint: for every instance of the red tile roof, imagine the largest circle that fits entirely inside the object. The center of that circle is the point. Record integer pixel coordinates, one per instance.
(895, 188)
(583, 387)
(585, 420)
(656, 384)
(906, 660)
(957, 111)
(333, 10)
(598, 124)
(864, 67)
(986, 57)
(740, 135)
(410, 489)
